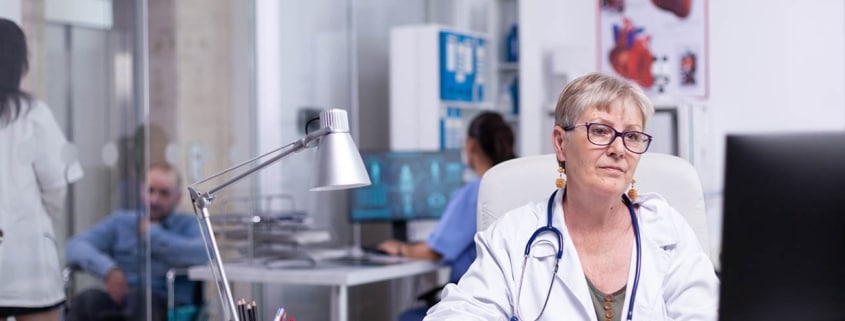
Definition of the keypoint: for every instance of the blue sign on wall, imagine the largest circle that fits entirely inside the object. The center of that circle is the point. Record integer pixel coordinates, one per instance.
(461, 67)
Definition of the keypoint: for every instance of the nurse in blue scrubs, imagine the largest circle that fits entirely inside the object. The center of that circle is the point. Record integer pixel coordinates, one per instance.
(490, 140)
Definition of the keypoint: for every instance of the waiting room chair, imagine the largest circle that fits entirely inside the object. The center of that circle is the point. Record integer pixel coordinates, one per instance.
(516, 182)
(195, 311)
(67, 277)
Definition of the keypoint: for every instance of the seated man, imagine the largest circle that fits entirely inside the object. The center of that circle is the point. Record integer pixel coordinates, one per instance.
(111, 251)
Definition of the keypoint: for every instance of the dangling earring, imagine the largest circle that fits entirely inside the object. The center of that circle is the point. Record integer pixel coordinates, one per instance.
(560, 182)
(632, 193)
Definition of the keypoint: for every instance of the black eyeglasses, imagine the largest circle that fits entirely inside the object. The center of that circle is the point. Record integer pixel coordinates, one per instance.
(603, 135)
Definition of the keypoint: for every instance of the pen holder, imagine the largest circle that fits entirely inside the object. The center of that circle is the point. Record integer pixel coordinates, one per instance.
(248, 311)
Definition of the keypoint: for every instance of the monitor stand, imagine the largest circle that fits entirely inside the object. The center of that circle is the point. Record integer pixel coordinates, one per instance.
(356, 251)
(357, 256)
(400, 230)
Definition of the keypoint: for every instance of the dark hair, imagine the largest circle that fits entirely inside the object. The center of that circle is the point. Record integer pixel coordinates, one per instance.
(494, 136)
(13, 65)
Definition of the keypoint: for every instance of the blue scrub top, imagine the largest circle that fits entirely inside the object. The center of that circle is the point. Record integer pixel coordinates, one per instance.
(453, 237)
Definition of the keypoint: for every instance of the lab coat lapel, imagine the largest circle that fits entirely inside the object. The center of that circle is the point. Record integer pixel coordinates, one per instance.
(570, 272)
(656, 236)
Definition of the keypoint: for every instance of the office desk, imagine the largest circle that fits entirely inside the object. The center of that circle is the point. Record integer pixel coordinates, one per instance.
(337, 275)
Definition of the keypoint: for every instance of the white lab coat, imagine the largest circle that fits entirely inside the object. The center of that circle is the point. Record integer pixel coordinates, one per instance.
(677, 280)
(36, 164)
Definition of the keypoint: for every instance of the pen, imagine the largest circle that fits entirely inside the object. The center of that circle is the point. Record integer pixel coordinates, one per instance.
(242, 309)
(280, 314)
(251, 311)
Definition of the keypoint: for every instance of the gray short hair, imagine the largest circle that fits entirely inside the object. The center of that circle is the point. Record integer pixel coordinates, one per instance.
(598, 91)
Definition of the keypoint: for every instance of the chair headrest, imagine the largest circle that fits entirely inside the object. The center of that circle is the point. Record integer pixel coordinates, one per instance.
(523, 180)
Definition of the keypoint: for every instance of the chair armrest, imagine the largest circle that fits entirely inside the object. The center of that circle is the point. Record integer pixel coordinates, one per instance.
(171, 281)
(67, 273)
(67, 280)
(432, 296)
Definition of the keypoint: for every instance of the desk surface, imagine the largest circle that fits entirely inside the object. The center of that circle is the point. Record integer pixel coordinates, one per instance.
(324, 273)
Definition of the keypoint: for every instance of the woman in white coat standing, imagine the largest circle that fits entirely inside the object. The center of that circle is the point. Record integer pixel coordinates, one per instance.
(595, 250)
(36, 164)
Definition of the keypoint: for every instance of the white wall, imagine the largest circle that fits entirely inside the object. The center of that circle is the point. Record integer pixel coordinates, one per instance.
(11, 9)
(783, 72)
(775, 66)
(301, 61)
(301, 58)
(374, 18)
(90, 13)
(546, 26)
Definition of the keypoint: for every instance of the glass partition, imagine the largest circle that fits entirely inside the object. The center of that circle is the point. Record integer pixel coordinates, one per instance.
(90, 86)
(203, 85)
(134, 84)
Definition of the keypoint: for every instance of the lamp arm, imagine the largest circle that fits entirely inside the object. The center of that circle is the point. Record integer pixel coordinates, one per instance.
(202, 201)
(244, 163)
(224, 292)
(295, 147)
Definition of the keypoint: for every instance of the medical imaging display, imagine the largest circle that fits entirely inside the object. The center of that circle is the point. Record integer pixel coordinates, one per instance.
(407, 185)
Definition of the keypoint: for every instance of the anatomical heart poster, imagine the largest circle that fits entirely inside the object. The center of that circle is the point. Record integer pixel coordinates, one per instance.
(659, 44)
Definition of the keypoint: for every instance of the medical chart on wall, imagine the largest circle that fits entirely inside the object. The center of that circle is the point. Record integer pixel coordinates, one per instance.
(659, 44)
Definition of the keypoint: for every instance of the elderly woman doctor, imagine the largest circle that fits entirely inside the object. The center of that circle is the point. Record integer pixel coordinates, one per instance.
(594, 250)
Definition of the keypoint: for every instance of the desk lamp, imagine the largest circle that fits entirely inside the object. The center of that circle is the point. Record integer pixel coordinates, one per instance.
(339, 166)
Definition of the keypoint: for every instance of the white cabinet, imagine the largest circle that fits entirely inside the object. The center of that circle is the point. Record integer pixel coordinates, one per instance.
(439, 78)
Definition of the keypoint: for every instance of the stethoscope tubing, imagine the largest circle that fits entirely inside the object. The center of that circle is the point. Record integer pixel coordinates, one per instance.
(549, 227)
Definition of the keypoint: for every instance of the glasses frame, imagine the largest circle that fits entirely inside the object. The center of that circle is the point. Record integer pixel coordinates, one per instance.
(616, 134)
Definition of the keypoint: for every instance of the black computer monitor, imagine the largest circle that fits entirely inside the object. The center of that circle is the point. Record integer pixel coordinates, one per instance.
(783, 242)
(407, 185)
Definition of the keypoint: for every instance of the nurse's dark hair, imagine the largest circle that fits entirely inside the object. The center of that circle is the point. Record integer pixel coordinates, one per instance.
(494, 135)
(13, 65)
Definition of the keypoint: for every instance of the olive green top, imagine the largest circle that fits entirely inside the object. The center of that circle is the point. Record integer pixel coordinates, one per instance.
(616, 300)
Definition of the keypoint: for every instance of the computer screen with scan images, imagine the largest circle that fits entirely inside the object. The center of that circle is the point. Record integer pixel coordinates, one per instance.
(407, 185)
(783, 236)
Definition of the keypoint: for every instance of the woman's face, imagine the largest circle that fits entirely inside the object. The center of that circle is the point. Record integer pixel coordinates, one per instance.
(470, 152)
(606, 169)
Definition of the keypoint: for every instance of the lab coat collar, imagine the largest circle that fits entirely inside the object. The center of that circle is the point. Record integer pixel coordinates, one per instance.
(657, 236)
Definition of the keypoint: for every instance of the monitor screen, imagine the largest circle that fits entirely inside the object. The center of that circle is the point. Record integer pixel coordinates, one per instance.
(783, 241)
(407, 185)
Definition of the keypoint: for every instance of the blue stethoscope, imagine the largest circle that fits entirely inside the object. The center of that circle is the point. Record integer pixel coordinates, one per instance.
(550, 228)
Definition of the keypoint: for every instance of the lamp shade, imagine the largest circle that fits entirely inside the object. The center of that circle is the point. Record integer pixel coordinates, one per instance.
(338, 162)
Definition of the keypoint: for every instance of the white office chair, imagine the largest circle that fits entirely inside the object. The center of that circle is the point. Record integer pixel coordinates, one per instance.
(517, 182)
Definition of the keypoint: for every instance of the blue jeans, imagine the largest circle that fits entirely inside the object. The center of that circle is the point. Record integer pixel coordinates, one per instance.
(96, 305)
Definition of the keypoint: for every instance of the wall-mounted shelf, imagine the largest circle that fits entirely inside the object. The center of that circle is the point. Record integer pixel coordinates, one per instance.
(503, 16)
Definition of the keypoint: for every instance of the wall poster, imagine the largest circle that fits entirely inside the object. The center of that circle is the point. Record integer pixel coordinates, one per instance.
(659, 44)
